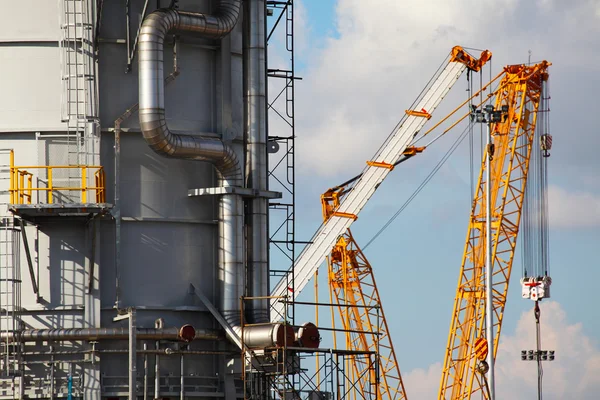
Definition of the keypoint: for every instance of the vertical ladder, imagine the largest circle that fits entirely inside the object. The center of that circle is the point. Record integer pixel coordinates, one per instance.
(11, 380)
(79, 94)
(10, 296)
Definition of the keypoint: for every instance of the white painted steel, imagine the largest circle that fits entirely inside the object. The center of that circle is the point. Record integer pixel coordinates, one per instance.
(326, 236)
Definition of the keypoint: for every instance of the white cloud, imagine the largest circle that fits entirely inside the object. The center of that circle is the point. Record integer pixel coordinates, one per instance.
(569, 209)
(574, 374)
(423, 383)
(357, 85)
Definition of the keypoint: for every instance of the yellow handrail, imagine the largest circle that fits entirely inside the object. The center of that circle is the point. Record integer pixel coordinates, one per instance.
(21, 182)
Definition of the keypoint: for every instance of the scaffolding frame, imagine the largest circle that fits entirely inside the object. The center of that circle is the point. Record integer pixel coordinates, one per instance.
(282, 176)
(276, 372)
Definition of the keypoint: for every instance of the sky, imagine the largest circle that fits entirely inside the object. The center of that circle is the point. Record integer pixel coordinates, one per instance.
(362, 64)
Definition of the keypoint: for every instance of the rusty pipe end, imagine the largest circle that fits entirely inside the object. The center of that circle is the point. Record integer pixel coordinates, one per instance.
(187, 333)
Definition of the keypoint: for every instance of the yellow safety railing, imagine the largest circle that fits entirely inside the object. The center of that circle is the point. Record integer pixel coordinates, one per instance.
(22, 188)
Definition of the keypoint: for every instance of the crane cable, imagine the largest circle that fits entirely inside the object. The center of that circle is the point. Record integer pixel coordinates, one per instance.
(439, 165)
(538, 340)
(447, 155)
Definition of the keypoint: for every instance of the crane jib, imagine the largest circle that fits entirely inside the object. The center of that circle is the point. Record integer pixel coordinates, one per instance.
(390, 153)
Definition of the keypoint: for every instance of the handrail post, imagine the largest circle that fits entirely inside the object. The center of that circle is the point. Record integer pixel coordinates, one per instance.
(50, 185)
(84, 184)
(12, 177)
(103, 181)
(29, 188)
(21, 187)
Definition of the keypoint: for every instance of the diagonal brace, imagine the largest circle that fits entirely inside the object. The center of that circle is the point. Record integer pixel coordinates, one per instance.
(29, 262)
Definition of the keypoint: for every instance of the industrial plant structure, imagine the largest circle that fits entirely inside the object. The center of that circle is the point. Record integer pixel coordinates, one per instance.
(143, 189)
(134, 138)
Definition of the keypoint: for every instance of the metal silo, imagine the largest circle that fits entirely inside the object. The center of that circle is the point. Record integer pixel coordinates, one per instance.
(114, 282)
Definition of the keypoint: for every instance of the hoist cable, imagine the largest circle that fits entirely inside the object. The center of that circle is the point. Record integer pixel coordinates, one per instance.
(466, 132)
(447, 155)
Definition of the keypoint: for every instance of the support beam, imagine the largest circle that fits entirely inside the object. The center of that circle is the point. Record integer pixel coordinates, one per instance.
(36, 289)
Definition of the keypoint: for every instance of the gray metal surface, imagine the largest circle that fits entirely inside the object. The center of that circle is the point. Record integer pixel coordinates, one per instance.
(158, 136)
(30, 67)
(169, 241)
(187, 146)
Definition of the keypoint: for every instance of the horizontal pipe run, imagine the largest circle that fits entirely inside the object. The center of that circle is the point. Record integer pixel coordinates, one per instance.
(268, 335)
(185, 334)
(163, 352)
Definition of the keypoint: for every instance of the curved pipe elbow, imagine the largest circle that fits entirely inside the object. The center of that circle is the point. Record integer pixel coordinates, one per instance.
(153, 124)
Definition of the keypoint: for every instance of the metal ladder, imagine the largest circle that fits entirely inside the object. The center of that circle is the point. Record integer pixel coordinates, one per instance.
(10, 296)
(79, 93)
(10, 287)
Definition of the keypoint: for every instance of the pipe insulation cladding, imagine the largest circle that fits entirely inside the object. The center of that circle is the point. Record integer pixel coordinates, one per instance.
(256, 158)
(153, 124)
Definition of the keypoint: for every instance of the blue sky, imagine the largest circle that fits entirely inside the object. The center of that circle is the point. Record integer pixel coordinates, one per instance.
(361, 67)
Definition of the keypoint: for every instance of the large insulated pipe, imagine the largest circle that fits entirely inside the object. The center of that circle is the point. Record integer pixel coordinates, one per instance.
(256, 157)
(186, 333)
(157, 134)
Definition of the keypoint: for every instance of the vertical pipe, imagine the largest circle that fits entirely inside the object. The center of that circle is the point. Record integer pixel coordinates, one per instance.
(145, 371)
(256, 156)
(231, 250)
(181, 383)
(52, 373)
(127, 34)
(489, 319)
(157, 372)
(132, 356)
(117, 213)
(70, 383)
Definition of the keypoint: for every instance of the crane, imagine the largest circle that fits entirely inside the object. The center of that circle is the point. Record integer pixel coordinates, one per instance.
(354, 198)
(351, 280)
(350, 275)
(519, 95)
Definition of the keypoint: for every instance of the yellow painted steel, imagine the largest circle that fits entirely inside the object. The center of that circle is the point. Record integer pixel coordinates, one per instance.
(353, 288)
(21, 182)
(520, 89)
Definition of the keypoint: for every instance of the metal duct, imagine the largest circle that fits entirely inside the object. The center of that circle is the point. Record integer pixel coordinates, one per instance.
(256, 157)
(154, 128)
(186, 334)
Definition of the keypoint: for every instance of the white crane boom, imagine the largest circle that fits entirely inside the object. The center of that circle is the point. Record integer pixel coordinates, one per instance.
(376, 171)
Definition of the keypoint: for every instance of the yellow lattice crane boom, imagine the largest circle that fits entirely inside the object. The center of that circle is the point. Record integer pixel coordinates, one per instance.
(353, 288)
(519, 94)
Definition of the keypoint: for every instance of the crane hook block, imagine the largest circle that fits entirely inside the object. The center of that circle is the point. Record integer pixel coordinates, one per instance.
(536, 288)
